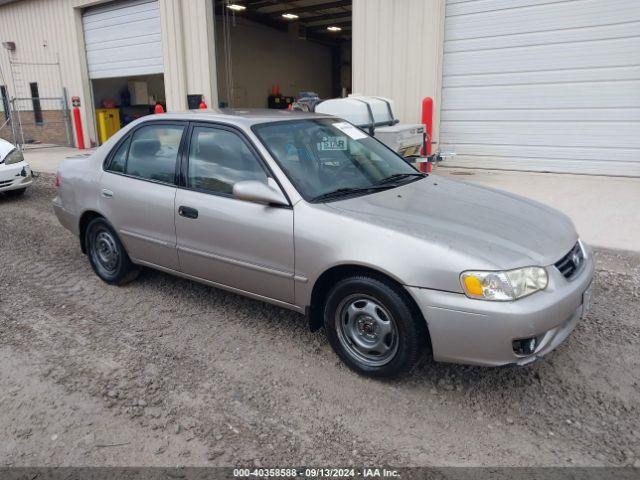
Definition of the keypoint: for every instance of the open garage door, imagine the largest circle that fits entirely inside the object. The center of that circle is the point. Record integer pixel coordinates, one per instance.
(270, 52)
(122, 39)
(542, 85)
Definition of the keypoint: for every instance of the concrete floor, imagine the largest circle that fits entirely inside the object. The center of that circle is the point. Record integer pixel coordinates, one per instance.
(47, 159)
(605, 210)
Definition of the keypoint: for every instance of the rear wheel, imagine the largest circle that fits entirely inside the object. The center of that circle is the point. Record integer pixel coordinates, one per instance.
(107, 256)
(372, 326)
(15, 193)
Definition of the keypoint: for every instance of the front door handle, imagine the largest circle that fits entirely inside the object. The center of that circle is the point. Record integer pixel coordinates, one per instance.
(107, 193)
(187, 212)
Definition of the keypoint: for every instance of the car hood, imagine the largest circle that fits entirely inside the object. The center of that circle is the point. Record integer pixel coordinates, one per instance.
(497, 228)
(5, 148)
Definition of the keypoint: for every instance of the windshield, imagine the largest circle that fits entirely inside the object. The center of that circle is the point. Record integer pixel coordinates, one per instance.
(328, 156)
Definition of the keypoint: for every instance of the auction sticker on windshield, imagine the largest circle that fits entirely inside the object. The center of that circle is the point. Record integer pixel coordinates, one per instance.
(353, 132)
(333, 144)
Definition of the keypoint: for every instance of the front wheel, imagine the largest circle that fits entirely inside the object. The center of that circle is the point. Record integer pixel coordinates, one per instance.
(107, 256)
(372, 326)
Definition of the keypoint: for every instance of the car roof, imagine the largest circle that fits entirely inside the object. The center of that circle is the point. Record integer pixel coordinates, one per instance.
(246, 117)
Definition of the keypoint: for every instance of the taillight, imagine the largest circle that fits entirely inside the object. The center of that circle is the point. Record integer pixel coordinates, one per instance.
(58, 180)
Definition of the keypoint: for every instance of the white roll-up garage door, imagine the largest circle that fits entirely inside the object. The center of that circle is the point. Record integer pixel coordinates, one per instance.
(123, 39)
(543, 85)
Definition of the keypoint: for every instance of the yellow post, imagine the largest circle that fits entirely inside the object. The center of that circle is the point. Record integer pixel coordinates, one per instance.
(103, 134)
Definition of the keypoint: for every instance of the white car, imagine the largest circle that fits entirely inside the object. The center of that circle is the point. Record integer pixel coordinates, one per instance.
(15, 174)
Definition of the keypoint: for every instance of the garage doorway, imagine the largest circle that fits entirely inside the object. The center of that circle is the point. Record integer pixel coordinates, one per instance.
(125, 63)
(268, 52)
(119, 101)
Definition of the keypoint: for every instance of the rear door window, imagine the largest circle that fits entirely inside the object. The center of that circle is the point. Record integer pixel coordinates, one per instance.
(153, 153)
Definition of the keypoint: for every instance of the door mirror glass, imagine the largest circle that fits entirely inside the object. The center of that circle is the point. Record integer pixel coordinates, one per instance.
(258, 192)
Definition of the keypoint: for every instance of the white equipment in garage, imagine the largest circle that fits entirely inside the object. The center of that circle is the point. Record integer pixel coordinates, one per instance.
(375, 115)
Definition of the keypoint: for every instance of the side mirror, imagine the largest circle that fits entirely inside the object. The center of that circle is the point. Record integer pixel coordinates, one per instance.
(258, 192)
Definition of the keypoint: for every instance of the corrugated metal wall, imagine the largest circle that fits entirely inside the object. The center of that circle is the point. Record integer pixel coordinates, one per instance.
(200, 53)
(44, 33)
(47, 31)
(543, 85)
(397, 49)
(189, 51)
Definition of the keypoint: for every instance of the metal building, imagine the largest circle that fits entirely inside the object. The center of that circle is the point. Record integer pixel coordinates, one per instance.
(518, 84)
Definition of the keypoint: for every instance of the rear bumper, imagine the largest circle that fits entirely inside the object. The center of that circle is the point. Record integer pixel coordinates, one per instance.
(15, 176)
(66, 218)
(477, 332)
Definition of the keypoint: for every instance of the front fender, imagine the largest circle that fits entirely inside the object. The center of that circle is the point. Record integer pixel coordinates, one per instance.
(324, 239)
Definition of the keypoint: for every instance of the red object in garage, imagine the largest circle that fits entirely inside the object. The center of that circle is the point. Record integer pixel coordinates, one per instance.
(203, 105)
(158, 108)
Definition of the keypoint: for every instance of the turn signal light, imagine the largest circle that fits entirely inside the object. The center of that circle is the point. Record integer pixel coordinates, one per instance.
(474, 287)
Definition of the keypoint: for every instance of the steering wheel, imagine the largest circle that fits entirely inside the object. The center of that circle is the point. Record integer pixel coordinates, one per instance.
(346, 170)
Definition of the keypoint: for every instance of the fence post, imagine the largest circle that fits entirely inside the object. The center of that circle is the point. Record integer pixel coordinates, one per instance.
(67, 117)
(13, 122)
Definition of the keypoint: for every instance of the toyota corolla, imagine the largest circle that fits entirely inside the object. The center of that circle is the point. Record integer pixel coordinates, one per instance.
(310, 213)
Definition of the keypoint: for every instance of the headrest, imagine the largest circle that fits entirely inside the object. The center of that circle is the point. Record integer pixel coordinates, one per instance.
(209, 150)
(145, 147)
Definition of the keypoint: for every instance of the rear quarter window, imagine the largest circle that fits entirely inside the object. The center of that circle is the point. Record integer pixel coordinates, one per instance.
(119, 158)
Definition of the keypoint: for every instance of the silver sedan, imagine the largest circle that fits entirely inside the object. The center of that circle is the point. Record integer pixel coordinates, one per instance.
(310, 213)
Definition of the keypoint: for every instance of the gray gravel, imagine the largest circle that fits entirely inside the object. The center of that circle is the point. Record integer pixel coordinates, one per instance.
(170, 372)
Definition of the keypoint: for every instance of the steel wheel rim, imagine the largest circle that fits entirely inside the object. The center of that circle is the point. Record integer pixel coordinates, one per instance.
(366, 330)
(105, 251)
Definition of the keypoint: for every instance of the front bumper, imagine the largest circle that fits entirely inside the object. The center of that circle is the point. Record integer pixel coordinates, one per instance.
(15, 176)
(478, 332)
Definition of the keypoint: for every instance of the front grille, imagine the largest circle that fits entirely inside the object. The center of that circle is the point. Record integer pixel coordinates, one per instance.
(571, 263)
(5, 183)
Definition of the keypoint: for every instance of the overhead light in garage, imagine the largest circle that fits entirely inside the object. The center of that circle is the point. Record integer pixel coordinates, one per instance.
(334, 29)
(290, 16)
(236, 8)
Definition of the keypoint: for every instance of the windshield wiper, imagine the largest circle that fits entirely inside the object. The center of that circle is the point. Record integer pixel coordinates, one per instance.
(345, 191)
(400, 176)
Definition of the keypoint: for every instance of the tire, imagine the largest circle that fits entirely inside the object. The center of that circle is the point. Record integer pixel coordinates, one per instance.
(107, 255)
(15, 193)
(373, 327)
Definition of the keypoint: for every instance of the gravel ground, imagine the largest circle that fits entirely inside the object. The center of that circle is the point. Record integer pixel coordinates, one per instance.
(170, 372)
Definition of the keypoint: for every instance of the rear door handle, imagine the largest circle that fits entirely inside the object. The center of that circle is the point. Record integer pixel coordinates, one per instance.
(107, 193)
(187, 212)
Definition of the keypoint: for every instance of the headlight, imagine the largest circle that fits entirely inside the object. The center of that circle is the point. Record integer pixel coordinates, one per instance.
(15, 156)
(504, 286)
